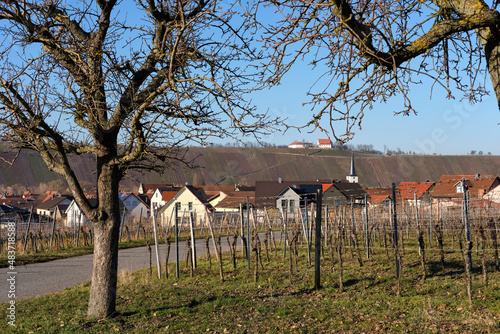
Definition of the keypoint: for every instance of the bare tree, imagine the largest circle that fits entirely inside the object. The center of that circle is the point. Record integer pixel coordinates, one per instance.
(376, 50)
(127, 85)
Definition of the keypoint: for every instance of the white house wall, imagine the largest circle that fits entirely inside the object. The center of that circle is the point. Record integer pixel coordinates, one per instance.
(493, 195)
(289, 195)
(74, 216)
(156, 201)
(185, 197)
(136, 211)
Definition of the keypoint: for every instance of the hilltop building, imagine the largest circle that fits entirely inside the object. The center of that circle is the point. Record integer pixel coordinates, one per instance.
(298, 144)
(325, 143)
(322, 143)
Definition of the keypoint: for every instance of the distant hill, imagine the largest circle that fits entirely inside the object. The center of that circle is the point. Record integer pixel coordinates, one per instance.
(230, 165)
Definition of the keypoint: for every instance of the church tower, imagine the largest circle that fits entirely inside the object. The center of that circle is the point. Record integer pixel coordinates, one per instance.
(352, 177)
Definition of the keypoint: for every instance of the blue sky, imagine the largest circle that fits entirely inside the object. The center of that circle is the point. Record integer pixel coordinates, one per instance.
(442, 126)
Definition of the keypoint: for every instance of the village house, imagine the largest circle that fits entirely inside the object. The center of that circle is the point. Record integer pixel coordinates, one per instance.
(266, 192)
(298, 144)
(379, 196)
(493, 195)
(449, 189)
(161, 196)
(343, 192)
(21, 202)
(55, 207)
(290, 199)
(325, 143)
(134, 205)
(232, 201)
(144, 188)
(190, 202)
(75, 216)
(411, 191)
(212, 190)
(9, 213)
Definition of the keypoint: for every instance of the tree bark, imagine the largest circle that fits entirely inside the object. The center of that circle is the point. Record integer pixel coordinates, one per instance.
(102, 300)
(106, 221)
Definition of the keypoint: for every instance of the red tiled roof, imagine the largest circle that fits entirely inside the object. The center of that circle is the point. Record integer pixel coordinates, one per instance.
(378, 195)
(324, 142)
(212, 190)
(407, 190)
(478, 186)
(167, 195)
(446, 189)
(146, 187)
(235, 198)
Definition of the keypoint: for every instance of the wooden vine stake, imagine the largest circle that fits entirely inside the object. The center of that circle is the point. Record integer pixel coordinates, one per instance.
(483, 253)
(219, 259)
(466, 253)
(208, 255)
(397, 257)
(420, 238)
(317, 250)
(158, 263)
(150, 263)
(439, 236)
(233, 246)
(167, 256)
(494, 241)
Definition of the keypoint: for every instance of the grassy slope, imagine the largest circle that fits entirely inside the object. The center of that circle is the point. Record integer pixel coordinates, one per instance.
(229, 165)
(278, 303)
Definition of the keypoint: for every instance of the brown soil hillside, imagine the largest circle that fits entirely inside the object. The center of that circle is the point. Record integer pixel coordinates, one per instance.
(230, 165)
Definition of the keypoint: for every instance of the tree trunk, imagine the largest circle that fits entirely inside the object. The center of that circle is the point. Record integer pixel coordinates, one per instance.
(102, 300)
(490, 40)
(106, 222)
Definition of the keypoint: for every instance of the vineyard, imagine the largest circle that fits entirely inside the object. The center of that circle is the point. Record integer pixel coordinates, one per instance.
(380, 270)
(379, 258)
(434, 232)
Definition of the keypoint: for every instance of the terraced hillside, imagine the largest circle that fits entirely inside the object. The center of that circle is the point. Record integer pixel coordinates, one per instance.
(229, 165)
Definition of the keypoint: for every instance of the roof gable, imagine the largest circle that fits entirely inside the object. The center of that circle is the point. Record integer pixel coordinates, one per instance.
(350, 190)
(51, 203)
(194, 192)
(291, 190)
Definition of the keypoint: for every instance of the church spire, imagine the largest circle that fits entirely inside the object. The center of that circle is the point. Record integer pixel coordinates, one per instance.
(353, 170)
(352, 177)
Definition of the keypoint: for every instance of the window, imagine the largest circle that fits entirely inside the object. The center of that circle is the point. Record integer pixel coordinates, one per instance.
(178, 206)
(190, 206)
(292, 205)
(283, 204)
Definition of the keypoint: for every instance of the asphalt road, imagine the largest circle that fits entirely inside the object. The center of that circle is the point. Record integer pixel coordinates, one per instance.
(49, 277)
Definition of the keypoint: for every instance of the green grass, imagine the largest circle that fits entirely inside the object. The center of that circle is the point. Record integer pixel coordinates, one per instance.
(278, 303)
